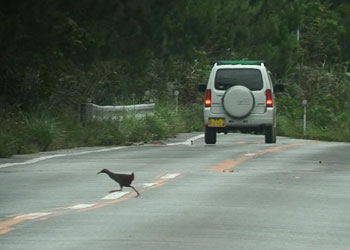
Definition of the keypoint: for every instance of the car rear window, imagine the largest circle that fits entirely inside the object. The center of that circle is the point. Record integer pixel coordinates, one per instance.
(250, 78)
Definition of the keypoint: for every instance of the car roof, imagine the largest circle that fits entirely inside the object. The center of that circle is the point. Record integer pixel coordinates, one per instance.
(240, 62)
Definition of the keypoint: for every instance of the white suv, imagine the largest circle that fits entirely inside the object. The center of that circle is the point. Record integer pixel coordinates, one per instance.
(239, 96)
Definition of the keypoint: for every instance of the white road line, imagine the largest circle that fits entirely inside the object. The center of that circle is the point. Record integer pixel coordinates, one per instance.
(250, 154)
(47, 157)
(170, 176)
(81, 206)
(187, 142)
(115, 195)
(32, 216)
(149, 184)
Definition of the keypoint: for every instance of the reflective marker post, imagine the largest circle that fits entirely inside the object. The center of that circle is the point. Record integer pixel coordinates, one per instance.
(304, 104)
(176, 93)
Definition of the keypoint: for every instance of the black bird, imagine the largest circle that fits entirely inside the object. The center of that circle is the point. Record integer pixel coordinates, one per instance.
(124, 180)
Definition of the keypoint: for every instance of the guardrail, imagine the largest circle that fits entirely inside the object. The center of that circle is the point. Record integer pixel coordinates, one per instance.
(90, 111)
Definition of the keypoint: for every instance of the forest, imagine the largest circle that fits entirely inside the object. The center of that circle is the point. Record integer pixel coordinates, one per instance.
(57, 54)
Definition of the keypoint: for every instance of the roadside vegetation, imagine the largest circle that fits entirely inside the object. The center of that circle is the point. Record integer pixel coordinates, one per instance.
(57, 54)
(327, 91)
(42, 131)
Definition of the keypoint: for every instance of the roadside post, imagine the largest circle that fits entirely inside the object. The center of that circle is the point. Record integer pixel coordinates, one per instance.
(176, 93)
(86, 112)
(304, 102)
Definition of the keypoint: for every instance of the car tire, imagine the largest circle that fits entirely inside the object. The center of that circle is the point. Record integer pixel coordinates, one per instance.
(270, 134)
(210, 135)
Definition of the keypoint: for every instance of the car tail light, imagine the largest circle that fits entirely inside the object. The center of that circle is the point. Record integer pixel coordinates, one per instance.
(207, 101)
(269, 99)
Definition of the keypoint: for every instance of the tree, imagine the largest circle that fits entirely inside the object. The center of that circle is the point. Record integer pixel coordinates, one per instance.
(321, 33)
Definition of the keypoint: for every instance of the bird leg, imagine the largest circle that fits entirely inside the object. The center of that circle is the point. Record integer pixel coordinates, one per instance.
(138, 194)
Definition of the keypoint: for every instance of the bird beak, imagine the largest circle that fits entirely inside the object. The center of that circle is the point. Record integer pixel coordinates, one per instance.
(99, 172)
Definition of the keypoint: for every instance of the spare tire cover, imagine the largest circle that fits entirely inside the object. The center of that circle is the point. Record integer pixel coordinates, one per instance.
(238, 101)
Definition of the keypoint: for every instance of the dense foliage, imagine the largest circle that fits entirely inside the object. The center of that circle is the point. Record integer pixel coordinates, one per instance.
(56, 54)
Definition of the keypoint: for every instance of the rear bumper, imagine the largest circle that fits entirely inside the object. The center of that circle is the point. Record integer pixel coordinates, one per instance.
(266, 119)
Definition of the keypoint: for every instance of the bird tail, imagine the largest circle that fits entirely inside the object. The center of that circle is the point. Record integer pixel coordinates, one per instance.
(132, 176)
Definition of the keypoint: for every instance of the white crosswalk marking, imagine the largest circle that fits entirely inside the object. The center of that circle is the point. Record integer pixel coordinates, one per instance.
(170, 176)
(81, 206)
(115, 195)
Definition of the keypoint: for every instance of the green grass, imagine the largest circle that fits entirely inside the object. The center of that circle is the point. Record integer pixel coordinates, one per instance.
(295, 128)
(42, 131)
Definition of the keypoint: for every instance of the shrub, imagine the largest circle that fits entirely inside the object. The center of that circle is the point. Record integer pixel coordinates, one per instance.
(156, 127)
(8, 144)
(133, 129)
(44, 131)
(105, 132)
(167, 112)
(192, 115)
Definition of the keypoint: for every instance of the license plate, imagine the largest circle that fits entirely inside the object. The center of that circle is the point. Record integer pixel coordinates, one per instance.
(216, 122)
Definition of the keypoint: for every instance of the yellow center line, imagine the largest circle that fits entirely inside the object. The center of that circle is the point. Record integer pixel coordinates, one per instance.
(228, 164)
(8, 225)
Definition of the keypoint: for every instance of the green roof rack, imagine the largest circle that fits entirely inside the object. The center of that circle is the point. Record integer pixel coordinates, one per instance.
(241, 62)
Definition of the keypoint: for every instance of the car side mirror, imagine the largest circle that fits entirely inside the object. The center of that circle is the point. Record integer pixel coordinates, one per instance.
(202, 88)
(279, 88)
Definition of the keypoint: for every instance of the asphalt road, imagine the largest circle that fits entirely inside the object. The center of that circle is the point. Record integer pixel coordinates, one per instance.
(238, 194)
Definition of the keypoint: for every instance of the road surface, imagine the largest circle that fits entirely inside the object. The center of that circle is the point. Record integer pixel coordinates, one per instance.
(237, 194)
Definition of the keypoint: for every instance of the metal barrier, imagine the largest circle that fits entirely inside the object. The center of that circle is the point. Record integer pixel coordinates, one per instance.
(90, 111)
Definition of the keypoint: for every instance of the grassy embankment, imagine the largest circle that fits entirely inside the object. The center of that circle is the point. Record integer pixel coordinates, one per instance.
(43, 131)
